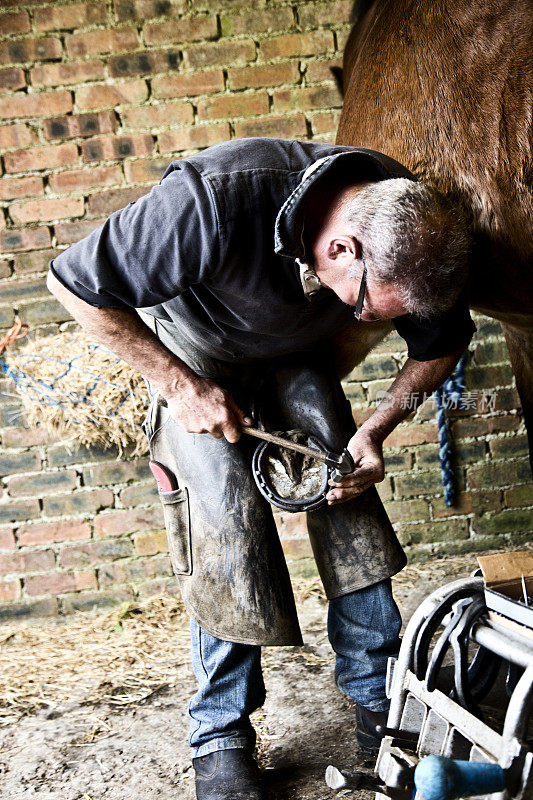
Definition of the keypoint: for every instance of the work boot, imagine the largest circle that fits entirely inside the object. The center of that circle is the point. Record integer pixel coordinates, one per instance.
(228, 775)
(368, 739)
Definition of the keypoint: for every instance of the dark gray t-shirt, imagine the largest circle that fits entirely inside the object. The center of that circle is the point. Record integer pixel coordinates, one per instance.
(210, 252)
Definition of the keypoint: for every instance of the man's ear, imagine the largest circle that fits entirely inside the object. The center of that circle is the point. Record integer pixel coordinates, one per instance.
(344, 247)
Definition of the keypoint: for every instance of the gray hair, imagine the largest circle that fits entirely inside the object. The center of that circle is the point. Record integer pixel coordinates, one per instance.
(411, 236)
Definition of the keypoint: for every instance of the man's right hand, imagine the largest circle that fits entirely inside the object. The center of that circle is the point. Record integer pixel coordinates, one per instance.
(201, 406)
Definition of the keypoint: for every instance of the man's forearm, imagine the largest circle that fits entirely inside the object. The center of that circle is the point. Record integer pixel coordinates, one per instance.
(125, 334)
(416, 380)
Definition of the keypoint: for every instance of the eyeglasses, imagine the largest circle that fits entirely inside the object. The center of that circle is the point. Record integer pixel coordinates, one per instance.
(362, 289)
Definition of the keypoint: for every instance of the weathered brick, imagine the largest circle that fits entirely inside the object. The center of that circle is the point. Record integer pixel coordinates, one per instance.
(519, 496)
(64, 455)
(180, 30)
(254, 22)
(462, 505)
(70, 232)
(11, 188)
(486, 500)
(297, 44)
(342, 37)
(505, 521)
(14, 291)
(510, 447)
(326, 122)
(42, 104)
(183, 85)
(16, 135)
(224, 52)
(20, 51)
(79, 502)
(158, 116)
(112, 147)
(101, 41)
(139, 494)
(7, 539)
(412, 434)
(487, 376)
(273, 125)
(87, 601)
(59, 582)
(6, 316)
(258, 75)
(36, 608)
(47, 209)
(498, 473)
(26, 437)
(10, 590)
(12, 79)
(118, 523)
(314, 15)
(373, 368)
(5, 269)
(146, 9)
(49, 532)
(148, 544)
(23, 510)
(144, 63)
(116, 472)
(44, 311)
(107, 202)
(104, 96)
(27, 561)
(41, 483)
(192, 137)
(59, 74)
(398, 462)
(144, 170)
(483, 425)
(14, 22)
(407, 510)
(79, 125)
(43, 157)
(240, 105)
(54, 18)
(36, 261)
(132, 571)
(80, 180)
(418, 483)
(81, 555)
(319, 72)
(426, 532)
(19, 462)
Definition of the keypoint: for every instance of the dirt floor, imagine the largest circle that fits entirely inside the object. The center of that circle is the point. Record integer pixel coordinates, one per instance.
(93, 706)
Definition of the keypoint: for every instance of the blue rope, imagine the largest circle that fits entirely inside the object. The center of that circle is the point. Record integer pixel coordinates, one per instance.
(39, 390)
(448, 396)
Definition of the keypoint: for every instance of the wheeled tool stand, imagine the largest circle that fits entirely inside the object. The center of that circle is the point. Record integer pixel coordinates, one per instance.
(428, 721)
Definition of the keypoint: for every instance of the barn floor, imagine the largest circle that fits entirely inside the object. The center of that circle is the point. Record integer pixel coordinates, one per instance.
(92, 706)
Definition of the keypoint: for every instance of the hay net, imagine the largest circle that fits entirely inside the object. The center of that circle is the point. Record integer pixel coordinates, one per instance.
(78, 389)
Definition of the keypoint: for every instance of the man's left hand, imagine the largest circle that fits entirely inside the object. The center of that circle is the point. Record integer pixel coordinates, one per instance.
(367, 453)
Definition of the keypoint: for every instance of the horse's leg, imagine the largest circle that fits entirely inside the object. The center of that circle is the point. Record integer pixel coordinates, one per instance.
(520, 344)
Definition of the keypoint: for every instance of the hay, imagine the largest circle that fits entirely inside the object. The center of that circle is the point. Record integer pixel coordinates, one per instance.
(80, 390)
(120, 658)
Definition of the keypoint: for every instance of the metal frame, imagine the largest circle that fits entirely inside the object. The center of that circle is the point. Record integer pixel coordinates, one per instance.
(446, 728)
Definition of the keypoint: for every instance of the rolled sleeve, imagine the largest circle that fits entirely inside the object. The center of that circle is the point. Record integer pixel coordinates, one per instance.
(148, 252)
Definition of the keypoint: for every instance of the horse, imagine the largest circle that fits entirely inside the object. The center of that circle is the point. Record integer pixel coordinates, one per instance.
(444, 87)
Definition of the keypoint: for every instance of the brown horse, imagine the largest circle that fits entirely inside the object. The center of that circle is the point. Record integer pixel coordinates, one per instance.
(445, 87)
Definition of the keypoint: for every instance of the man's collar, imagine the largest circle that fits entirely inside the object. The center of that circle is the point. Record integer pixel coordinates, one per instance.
(360, 162)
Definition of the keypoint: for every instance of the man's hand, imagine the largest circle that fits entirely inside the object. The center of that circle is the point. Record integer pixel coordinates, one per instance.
(367, 453)
(200, 406)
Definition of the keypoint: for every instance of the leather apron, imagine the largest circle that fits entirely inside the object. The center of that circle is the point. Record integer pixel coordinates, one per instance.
(223, 541)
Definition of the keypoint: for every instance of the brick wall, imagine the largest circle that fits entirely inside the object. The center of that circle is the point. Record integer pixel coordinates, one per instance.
(96, 99)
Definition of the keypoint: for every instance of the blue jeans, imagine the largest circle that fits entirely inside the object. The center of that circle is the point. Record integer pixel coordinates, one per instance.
(363, 628)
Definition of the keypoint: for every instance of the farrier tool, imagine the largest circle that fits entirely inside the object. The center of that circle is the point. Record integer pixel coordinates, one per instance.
(341, 464)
